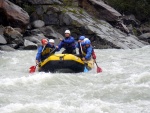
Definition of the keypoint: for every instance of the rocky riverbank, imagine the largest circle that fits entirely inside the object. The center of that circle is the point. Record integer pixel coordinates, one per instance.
(24, 23)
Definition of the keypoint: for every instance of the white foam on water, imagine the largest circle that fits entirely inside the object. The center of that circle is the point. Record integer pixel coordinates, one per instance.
(122, 87)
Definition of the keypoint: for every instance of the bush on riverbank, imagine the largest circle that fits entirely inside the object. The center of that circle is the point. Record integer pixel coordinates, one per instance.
(140, 8)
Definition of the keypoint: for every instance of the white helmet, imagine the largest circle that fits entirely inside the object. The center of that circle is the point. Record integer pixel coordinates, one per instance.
(67, 31)
(86, 39)
(51, 41)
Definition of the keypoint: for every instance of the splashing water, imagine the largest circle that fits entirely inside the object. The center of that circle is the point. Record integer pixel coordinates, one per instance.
(122, 87)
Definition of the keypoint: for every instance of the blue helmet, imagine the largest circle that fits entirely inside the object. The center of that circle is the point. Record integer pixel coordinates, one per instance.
(82, 38)
(87, 42)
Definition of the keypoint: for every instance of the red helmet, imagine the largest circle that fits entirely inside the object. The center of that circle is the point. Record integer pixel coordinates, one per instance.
(44, 41)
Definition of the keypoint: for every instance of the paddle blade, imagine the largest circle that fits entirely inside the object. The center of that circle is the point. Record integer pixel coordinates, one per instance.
(85, 69)
(32, 69)
(99, 70)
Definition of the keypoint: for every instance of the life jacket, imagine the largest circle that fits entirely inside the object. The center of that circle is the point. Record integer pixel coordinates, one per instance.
(45, 53)
(85, 51)
(69, 45)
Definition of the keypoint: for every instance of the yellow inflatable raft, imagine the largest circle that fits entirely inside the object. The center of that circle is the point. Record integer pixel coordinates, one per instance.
(64, 63)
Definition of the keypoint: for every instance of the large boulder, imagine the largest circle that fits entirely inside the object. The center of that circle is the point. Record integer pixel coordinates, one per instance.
(6, 48)
(35, 38)
(2, 40)
(50, 32)
(99, 28)
(145, 37)
(28, 45)
(99, 9)
(13, 15)
(38, 24)
(12, 36)
(45, 32)
(49, 14)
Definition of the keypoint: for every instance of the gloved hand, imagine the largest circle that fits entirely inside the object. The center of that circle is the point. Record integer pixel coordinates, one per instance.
(37, 62)
(60, 39)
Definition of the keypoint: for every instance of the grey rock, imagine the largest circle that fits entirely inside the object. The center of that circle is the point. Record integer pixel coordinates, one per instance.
(50, 32)
(145, 37)
(51, 19)
(101, 10)
(34, 39)
(6, 48)
(15, 15)
(28, 45)
(12, 36)
(38, 23)
(49, 14)
(35, 32)
(2, 40)
(102, 29)
(130, 19)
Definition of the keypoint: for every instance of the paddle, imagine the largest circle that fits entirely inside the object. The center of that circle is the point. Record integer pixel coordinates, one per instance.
(80, 51)
(33, 68)
(98, 68)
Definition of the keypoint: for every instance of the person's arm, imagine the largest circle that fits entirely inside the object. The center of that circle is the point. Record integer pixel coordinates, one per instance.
(89, 53)
(77, 45)
(60, 45)
(38, 55)
(54, 49)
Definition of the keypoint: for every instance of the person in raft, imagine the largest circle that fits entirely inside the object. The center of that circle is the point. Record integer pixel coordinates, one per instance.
(68, 43)
(82, 40)
(93, 52)
(87, 52)
(45, 50)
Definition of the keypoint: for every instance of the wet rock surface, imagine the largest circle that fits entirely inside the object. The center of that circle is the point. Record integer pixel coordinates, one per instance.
(50, 18)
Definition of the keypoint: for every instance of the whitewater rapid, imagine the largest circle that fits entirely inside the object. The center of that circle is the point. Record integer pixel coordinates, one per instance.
(122, 87)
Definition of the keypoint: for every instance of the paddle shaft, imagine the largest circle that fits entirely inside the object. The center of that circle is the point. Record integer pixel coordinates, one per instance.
(98, 68)
(96, 63)
(81, 51)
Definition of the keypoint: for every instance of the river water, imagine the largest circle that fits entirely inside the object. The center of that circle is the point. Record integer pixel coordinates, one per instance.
(122, 87)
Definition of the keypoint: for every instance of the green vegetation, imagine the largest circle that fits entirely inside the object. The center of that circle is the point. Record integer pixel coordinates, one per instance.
(81, 11)
(140, 8)
(29, 8)
(67, 2)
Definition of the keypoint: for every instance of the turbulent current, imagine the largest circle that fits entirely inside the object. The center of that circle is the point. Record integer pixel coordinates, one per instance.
(122, 87)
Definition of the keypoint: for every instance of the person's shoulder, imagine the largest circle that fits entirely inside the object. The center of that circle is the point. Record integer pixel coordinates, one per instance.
(90, 48)
(48, 44)
(71, 37)
(40, 48)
